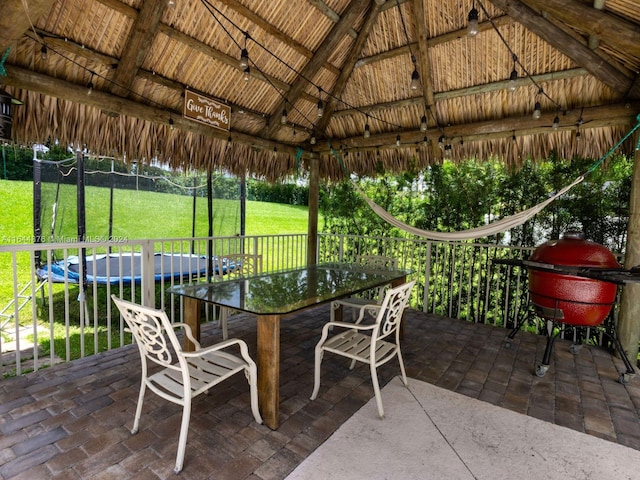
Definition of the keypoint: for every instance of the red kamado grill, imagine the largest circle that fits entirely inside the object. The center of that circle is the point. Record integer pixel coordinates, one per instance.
(572, 282)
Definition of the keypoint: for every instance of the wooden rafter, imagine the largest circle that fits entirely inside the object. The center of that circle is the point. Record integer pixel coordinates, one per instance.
(347, 69)
(138, 44)
(575, 50)
(15, 19)
(610, 29)
(356, 7)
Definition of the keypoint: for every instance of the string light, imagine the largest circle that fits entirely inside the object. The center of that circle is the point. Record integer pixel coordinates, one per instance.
(556, 123)
(283, 119)
(398, 141)
(171, 126)
(247, 73)
(367, 130)
(312, 140)
(425, 141)
(423, 123)
(244, 58)
(472, 26)
(43, 52)
(441, 141)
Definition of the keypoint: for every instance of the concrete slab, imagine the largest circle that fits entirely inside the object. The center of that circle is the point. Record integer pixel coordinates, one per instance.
(432, 433)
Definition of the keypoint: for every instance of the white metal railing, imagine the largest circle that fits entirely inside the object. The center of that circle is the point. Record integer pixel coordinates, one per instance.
(47, 318)
(458, 280)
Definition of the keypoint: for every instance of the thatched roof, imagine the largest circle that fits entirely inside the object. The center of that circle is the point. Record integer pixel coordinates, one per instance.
(579, 62)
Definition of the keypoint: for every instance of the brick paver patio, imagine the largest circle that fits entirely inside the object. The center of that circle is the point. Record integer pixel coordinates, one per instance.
(73, 421)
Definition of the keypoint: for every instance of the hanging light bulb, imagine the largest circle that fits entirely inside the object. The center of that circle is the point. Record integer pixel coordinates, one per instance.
(398, 141)
(90, 85)
(312, 140)
(512, 80)
(43, 52)
(415, 79)
(171, 123)
(247, 73)
(283, 119)
(441, 141)
(425, 141)
(423, 123)
(536, 111)
(244, 59)
(556, 123)
(367, 131)
(320, 108)
(472, 26)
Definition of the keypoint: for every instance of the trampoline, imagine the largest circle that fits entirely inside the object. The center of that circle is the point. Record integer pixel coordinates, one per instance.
(126, 267)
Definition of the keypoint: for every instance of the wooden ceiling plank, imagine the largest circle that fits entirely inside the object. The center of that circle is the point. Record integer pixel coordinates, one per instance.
(325, 50)
(15, 20)
(137, 46)
(564, 43)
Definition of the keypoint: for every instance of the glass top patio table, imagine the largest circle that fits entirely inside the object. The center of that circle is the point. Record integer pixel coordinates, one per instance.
(282, 292)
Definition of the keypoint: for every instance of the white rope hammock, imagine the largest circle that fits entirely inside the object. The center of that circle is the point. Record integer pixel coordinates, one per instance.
(472, 233)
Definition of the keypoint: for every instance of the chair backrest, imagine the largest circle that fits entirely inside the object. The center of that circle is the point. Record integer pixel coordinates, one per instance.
(392, 310)
(377, 261)
(242, 265)
(151, 329)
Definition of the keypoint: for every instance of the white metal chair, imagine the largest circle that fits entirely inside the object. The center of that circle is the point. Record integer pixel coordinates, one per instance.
(185, 374)
(375, 262)
(374, 344)
(244, 265)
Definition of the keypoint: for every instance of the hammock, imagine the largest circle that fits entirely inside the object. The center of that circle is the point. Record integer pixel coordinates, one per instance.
(494, 227)
(484, 231)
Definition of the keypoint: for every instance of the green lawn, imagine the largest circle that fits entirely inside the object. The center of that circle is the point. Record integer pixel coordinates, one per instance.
(136, 215)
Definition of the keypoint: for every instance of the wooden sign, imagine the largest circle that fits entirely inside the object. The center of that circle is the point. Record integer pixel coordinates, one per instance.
(206, 110)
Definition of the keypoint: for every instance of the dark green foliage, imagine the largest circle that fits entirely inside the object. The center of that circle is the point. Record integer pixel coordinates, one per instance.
(454, 197)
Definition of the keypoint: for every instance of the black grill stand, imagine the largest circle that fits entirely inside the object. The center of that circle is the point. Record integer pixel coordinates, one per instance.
(556, 326)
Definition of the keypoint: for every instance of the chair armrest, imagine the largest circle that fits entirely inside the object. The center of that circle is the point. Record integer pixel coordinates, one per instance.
(244, 350)
(371, 309)
(188, 332)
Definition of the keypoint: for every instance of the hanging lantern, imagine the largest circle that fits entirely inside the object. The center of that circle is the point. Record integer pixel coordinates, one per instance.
(6, 114)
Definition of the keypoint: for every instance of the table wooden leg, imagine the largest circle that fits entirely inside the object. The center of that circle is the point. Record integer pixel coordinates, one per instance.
(397, 283)
(268, 362)
(192, 318)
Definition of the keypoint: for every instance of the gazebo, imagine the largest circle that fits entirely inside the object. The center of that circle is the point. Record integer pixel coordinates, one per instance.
(327, 88)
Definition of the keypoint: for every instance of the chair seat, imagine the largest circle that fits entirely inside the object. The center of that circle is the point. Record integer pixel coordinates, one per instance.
(357, 346)
(204, 372)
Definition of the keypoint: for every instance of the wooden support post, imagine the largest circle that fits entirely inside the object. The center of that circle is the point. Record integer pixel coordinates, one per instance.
(314, 194)
(268, 360)
(629, 319)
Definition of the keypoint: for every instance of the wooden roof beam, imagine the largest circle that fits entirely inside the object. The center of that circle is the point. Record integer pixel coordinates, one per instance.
(622, 114)
(14, 20)
(575, 50)
(138, 44)
(37, 82)
(355, 9)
